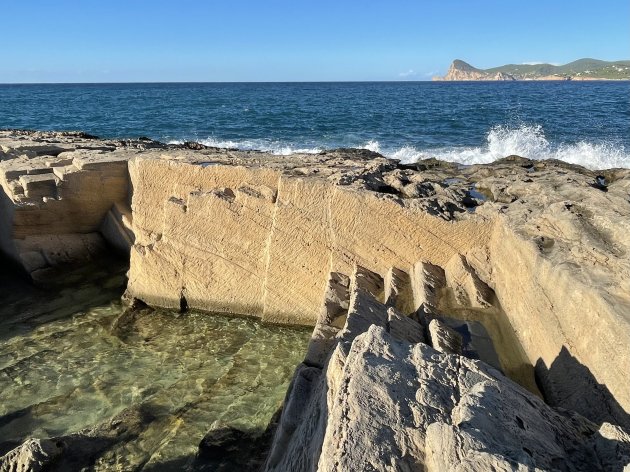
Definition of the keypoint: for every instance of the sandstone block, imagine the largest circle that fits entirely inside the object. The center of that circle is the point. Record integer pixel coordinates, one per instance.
(393, 405)
(368, 281)
(444, 338)
(100, 161)
(398, 291)
(38, 186)
(323, 341)
(476, 342)
(468, 288)
(404, 328)
(336, 300)
(427, 281)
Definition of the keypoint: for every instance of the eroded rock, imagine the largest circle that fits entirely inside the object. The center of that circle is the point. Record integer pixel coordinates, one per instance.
(34, 455)
(540, 243)
(57, 193)
(74, 451)
(385, 403)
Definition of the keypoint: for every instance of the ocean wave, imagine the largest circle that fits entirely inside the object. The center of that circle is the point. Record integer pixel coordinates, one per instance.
(525, 140)
(501, 141)
(273, 147)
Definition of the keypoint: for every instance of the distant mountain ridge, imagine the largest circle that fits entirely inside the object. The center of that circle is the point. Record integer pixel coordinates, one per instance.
(582, 69)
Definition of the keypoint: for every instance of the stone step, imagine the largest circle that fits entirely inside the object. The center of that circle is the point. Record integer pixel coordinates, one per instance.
(398, 291)
(122, 212)
(38, 186)
(116, 227)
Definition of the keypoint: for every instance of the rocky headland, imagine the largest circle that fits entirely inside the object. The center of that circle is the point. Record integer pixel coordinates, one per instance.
(465, 317)
(580, 70)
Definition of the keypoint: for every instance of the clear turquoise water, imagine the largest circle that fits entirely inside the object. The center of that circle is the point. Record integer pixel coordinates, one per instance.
(68, 362)
(585, 123)
(192, 372)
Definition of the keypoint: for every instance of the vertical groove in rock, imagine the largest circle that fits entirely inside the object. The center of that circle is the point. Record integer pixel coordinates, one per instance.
(267, 255)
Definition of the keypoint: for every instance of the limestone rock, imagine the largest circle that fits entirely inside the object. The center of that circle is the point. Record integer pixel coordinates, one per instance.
(53, 195)
(39, 185)
(388, 404)
(535, 251)
(428, 280)
(225, 449)
(320, 346)
(403, 327)
(116, 227)
(476, 342)
(398, 291)
(469, 289)
(33, 455)
(336, 300)
(445, 339)
(271, 251)
(460, 70)
(74, 451)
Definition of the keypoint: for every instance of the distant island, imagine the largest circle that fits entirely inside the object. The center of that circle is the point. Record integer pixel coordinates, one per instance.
(582, 69)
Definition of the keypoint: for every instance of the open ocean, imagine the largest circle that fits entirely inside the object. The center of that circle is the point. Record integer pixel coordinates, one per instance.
(587, 123)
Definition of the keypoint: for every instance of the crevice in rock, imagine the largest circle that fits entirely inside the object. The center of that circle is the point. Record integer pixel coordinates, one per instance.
(183, 303)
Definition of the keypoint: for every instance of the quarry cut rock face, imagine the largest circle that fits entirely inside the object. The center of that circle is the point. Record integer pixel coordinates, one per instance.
(481, 311)
(384, 399)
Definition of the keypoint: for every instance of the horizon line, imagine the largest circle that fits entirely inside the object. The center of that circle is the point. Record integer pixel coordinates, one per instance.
(213, 82)
(309, 82)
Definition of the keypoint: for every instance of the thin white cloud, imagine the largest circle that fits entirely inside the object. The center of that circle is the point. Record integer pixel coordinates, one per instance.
(409, 73)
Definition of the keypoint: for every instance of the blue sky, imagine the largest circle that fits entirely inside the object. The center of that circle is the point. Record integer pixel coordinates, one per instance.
(278, 40)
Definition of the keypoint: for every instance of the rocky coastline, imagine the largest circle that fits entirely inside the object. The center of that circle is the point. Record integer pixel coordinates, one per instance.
(464, 317)
(580, 70)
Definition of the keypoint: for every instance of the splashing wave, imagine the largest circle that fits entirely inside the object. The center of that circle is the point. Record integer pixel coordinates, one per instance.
(526, 140)
(501, 141)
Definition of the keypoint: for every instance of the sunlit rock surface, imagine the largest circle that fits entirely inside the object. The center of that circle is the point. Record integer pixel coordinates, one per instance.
(525, 261)
(57, 192)
(384, 401)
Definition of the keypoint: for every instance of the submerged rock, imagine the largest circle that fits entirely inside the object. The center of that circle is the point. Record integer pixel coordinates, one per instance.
(225, 449)
(74, 451)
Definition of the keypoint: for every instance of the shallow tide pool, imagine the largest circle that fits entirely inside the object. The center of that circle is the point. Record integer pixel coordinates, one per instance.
(191, 372)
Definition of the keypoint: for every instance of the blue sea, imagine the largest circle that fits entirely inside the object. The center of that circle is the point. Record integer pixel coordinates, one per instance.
(586, 123)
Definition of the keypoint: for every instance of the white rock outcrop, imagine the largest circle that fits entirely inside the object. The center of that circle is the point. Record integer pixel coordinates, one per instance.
(536, 252)
(260, 240)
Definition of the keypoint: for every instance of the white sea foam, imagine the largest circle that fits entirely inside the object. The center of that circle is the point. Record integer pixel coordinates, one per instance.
(373, 146)
(501, 141)
(525, 140)
(273, 147)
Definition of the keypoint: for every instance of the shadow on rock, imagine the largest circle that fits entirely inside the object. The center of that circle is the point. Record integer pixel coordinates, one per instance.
(78, 450)
(569, 384)
(226, 448)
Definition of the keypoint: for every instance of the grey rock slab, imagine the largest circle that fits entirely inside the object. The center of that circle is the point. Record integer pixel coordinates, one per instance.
(33, 455)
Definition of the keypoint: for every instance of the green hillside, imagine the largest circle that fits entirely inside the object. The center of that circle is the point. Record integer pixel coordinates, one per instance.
(592, 68)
